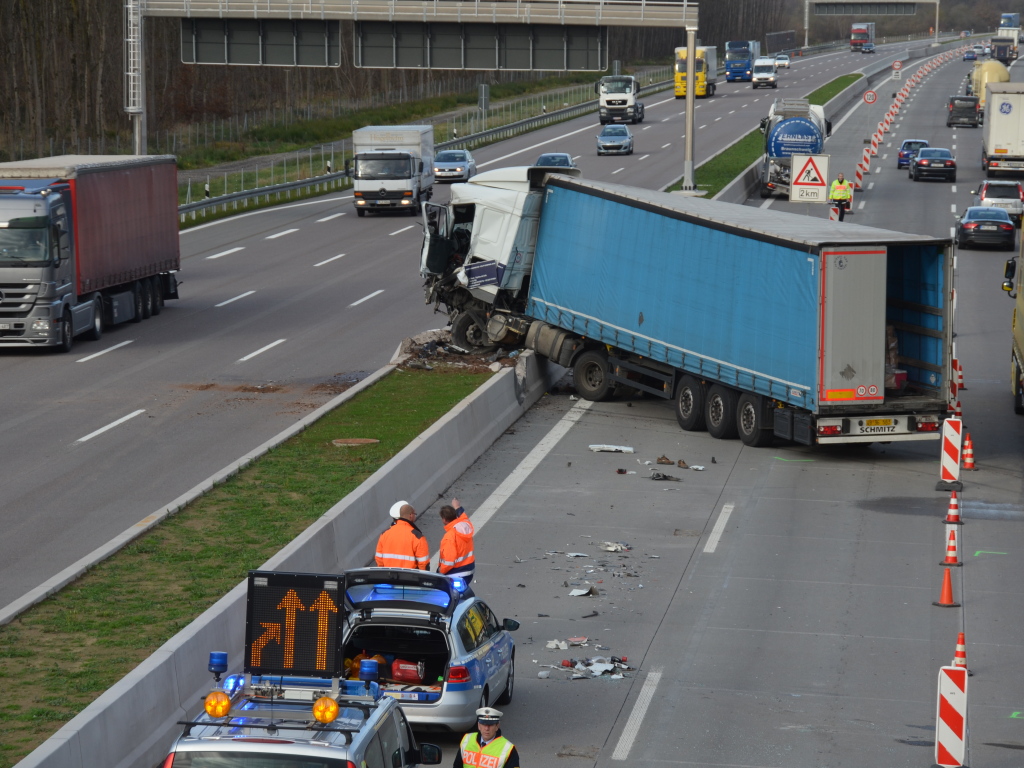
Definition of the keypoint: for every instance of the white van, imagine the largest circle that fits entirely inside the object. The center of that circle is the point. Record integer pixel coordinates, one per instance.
(765, 73)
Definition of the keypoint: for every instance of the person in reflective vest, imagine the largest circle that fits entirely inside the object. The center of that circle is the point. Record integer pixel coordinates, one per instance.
(841, 192)
(486, 747)
(455, 556)
(403, 545)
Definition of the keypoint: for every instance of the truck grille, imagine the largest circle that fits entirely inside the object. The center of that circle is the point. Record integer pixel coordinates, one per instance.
(17, 299)
(616, 102)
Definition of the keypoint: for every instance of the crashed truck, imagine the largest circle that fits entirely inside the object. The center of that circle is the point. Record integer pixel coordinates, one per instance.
(792, 127)
(756, 324)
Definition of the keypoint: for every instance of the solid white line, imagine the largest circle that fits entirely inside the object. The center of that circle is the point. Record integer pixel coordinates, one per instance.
(328, 261)
(644, 157)
(251, 355)
(328, 218)
(618, 171)
(366, 298)
(716, 532)
(281, 234)
(239, 296)
(636, 717)
(111, 425)
(225, 253)
(97, 354)
(399, 231)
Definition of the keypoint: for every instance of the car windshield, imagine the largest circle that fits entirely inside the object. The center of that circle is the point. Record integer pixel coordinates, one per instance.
(615, 130)
(451, 156)
(764, 69)
(22, 247)
(782, 57)
(935, 153)
(737, 54)
(559, 160)
(1009, 191)
(993, 214)
(913, 146)
(396, 168)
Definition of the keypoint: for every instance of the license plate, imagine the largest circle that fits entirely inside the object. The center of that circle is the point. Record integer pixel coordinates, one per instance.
(383, 202)
(5, 326)
(878, 422)
(987, 227)
(403, 695)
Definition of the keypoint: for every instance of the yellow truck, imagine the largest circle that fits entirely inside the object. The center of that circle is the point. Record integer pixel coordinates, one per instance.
(985, 72)
(1017, 341)
(705, 74)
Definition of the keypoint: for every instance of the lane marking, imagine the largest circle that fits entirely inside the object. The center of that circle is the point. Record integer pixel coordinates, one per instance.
(648, 127)
(954, 146)
(403, 229)
(716, 532)
(885, 156)
(239, 296)
(702, 127)
(717, 119)
(225, 253)
(632, 729)
(953, 189)
(261, 350)
(97, 354)
(590, 127)
(871, 185)
(664, 121)
(952, 208)
(281, 234)
(328, 218)
(860, 206)
(618, 171)
(644, 157)
(328, 261)
(109, 426)
(666, 146)
(732, 112)
(366, 298)
(766, 203)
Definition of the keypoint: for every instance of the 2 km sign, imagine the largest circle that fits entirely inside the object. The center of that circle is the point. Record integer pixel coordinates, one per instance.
(809, 182)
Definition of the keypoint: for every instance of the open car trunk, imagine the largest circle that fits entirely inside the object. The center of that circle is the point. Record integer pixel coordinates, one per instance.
(422, 647)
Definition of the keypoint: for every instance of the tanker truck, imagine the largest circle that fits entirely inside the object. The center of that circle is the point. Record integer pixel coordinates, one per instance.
(792, 127)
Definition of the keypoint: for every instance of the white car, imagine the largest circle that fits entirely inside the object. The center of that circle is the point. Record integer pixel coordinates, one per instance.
(782, 60)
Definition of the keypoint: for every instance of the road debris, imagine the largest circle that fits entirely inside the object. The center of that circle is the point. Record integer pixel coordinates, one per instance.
(665, 460)
(610, 448)
(559, 644)
(614, 546)
(576, 554)
(588, 592)
(663, 476)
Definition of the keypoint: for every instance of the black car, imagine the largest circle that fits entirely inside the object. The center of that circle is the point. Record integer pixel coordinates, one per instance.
(932, 161)
(981, 225)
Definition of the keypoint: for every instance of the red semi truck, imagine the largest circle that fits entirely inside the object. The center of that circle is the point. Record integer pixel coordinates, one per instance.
(861, 34)
(86, 241)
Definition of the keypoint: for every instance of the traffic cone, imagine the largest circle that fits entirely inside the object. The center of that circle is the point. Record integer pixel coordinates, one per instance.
(952, 553)
(953, 513)
(946, 600)
(960, 655)
(959, 376)
(969, 453)
(957, 410)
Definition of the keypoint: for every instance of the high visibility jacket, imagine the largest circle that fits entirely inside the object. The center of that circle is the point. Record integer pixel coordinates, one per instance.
(840, 190)
(494, 754)
(456, 551)
(403, 545)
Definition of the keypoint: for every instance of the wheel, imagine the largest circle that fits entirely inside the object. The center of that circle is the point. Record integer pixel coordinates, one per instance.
(360, 212)
(67, 335)
(749, 422)
(952, 179)
(506, 695)
(690, 404)
(146, 289)
(470, 336)
(720, 412)
(775, 85)
(630, 151)
(1009, 246)
(96, 332)
(157, 290)
(913, 176)
(765, 192)
(138, 301)
(591, 375)
(1018, 390)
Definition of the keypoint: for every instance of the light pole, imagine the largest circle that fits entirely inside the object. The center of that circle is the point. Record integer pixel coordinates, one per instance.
(691, 65)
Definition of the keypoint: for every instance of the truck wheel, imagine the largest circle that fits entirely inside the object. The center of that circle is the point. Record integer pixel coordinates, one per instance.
(146, 288)
(96, 332)
(156, 289)
(690, 404)
(749, 423)
(591, 375)
(137, 300)
(765, 192)
(720, 412)
(1018, 390)
(67, 334)
(467, 335)
(360, 212)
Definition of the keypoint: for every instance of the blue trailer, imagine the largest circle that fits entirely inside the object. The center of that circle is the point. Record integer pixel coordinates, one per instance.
(756, 323)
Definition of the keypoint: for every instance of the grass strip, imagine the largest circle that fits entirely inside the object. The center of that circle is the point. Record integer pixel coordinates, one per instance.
(61, 654)
(718, 172)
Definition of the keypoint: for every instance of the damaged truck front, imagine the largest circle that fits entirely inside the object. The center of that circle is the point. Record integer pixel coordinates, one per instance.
(756, 324)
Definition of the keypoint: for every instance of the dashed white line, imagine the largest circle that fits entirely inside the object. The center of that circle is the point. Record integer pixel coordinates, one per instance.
(328, 261)
(225, 253)
(732, 112)
(885, 156)
(666, 146)
(716, 533)
(109, 426)
(109, 349)
(644, 157)
(647, 127)
(281, 234)
(366, 298)
(239, 296)
(636, 717)
(665, 120)
(860, 206)
(399, 231)
(328, 218)
(703, 127)
(261, 350)
(618, 171)
(871, 184)
(717, 119)
(953, 189)
(953, 147)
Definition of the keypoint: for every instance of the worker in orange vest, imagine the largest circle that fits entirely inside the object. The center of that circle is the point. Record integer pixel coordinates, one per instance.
(403, 545)
(455, 557)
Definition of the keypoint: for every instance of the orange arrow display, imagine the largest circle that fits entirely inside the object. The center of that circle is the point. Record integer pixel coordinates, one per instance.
(291, 605)
(256, 650)
(324, 607)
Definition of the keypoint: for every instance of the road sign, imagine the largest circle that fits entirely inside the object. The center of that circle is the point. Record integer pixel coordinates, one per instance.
(896, 75)
(809, 183)
(949, 461)
(870, 97)
(951, 716)
(897, 65)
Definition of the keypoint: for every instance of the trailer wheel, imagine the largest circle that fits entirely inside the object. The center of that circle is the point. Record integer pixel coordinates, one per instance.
(138, 301)
(720, 412)
(591, 374)
(690, 405)
(749, 423)
(146, 289)
(96, 332)
(1018, 390)
(67, 333)
(156, 289)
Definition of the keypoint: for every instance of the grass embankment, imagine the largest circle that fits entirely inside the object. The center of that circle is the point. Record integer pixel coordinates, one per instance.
(715, 174)
(62, 654)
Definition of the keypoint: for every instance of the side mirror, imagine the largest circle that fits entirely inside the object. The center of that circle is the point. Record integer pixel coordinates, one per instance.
(348, 166)
(510, 624)
(1008, 287)
(828, 128)
(1011, 269)
(421, 166)
(430, 754)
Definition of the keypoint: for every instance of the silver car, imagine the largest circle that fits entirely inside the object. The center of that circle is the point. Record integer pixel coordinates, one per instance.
(615, 139)
(1005, 194)
(454, 165)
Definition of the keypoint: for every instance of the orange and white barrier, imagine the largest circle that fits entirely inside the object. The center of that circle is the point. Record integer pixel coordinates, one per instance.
(951, 717)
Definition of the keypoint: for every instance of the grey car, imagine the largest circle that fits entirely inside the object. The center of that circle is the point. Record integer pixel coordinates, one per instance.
(615, 139)
(556, 160)
(454, 165)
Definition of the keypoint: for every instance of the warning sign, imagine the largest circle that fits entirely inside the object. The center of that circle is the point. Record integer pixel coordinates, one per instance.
(809, 183)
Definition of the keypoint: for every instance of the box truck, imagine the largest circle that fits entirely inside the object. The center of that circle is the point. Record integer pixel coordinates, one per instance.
(754, 323)
(86, 241)
(1002, 141)
(392, 167)
(705, 74)
(861, 33)
(740, 56)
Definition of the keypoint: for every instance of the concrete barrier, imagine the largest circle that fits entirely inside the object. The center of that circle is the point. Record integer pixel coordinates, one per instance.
(133, 724)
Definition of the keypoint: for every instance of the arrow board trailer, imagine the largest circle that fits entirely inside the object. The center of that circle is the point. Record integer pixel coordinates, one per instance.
(752, 322)
(810, 180)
